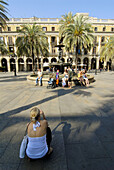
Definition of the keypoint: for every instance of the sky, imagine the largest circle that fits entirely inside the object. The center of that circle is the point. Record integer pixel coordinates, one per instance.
(102, 9)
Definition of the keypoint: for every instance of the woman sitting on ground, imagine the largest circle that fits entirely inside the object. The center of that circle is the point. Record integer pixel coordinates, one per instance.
(39, 135)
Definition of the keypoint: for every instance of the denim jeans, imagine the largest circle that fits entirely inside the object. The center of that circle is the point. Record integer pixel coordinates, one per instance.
(40, 81)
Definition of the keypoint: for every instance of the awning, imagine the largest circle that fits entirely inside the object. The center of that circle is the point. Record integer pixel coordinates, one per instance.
(82, 65)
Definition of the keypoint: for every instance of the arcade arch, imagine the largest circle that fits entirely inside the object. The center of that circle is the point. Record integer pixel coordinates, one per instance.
(93, 63)
(29, 64)
(53, 60)
(12, 64)
(4, 64)
(20, 64)
(86, 62)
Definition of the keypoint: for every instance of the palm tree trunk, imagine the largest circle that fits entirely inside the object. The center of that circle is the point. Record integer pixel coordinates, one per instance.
(33, 60)
(76, 62)
(41, 63)
(76, 54)
(37, 62)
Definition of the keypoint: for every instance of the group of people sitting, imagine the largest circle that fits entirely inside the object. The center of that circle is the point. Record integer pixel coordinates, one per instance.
(83, 78)
(66, 80)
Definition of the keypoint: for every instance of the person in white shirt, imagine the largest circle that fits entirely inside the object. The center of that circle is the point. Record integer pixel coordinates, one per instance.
(39, 77)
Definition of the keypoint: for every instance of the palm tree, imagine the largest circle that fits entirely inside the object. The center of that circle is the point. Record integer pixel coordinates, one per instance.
(66, 19)
(3, 12)
(31, 42)
(107, 51)
(3, 48)
(78, 35)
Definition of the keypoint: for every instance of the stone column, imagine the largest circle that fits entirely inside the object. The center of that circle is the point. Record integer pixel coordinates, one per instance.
(17, 69)
(8, 63)
(82, 60)
(49, 60)
(105, 63)
(91, 51)
(97, 62)
(65, 59)
(25, 64)
(89, 66)
(41, 63)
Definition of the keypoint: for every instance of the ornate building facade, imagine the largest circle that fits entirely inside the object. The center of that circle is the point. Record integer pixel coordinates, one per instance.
(103, 29)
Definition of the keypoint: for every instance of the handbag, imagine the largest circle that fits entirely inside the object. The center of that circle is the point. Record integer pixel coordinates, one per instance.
(23, 144)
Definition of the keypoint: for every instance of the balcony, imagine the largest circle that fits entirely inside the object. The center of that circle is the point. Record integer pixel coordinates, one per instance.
(53, 44)
(10, 44)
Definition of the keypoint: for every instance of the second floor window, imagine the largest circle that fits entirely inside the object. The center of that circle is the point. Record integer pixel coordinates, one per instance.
(104, 28)
(17, 28)
(9, 28)
(52, 39)
(44, 28)
(112, 29)
(53, 28)
(95, 29)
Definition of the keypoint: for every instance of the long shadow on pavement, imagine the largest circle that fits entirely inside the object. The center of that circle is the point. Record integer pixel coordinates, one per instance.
(79, 142)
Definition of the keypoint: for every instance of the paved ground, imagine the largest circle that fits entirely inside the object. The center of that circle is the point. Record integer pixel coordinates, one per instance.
(81, 119)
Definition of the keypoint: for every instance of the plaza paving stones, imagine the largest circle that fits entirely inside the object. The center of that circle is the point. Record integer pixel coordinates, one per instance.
(81, 119)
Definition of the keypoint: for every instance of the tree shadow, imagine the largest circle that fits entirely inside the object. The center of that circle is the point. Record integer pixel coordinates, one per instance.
(18, 76)
(59, 92)
(14, 79)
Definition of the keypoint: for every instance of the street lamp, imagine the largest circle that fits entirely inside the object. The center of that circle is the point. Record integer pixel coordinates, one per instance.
(15, 56)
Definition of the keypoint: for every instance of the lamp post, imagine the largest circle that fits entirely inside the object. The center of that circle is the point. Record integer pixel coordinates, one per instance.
(60, 56)
(15, 64)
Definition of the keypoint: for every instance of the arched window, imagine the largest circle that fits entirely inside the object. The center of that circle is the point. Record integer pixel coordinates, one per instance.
(63, 60)
(4, 64)
(86, 62)
(45, 60)
(93, 63)
(53, 60)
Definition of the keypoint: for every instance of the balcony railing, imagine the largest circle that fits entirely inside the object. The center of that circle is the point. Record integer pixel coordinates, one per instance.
(91, 20)
(53, 54)
(53, 43)
(10, 43)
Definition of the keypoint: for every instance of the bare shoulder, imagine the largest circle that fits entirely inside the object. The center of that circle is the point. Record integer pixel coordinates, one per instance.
(44, 122)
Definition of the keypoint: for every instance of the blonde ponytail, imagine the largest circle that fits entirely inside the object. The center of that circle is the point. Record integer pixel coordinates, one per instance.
(34, 114)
